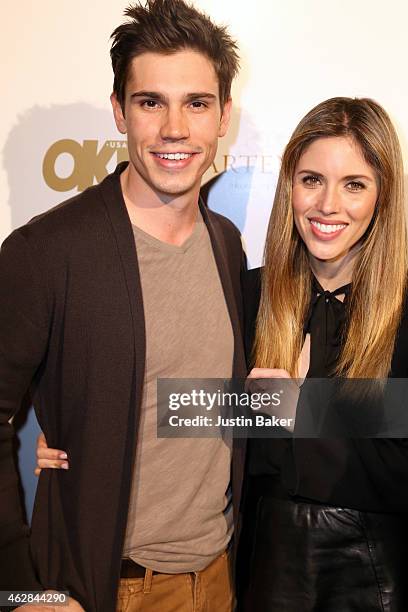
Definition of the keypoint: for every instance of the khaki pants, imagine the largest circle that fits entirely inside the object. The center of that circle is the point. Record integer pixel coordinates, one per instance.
(207, 591)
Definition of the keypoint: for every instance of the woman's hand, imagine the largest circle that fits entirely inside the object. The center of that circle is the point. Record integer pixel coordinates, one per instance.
(268, 373)
(264, 379)
(49, 457)
(275, 382)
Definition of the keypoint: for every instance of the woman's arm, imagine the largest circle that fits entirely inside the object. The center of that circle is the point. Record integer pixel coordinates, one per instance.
(47, 458)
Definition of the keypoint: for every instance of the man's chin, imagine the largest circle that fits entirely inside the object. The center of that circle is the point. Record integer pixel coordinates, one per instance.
(174, 190)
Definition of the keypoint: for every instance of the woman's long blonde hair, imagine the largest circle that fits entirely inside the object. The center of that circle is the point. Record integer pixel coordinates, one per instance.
(379, 274)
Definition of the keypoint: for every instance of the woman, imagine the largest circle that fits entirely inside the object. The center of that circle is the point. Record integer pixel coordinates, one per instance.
(324, 522)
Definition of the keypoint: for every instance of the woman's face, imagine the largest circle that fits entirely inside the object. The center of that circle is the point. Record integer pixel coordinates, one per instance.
(334, 195)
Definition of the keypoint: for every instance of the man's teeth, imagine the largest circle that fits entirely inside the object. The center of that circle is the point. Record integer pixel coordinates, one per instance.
(327, 229)
(176, 156)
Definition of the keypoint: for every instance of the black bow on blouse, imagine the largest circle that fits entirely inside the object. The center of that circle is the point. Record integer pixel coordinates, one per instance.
(325, 323)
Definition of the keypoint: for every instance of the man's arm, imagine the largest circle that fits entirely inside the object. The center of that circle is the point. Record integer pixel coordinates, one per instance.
(23, 340)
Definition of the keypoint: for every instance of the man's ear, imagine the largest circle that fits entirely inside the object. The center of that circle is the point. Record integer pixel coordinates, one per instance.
(225, 118)
(118, 114)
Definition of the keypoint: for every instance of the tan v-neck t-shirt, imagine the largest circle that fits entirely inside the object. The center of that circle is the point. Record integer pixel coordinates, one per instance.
(180, 515)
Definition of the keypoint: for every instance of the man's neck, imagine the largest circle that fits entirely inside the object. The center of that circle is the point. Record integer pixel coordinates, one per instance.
(170, 220)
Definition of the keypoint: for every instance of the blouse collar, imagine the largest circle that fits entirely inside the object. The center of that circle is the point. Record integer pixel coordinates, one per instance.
(325, 323)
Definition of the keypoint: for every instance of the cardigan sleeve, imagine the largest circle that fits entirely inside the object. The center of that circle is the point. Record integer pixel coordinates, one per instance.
(23, 341)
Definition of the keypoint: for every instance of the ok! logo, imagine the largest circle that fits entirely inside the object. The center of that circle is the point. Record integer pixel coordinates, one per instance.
(89, 162)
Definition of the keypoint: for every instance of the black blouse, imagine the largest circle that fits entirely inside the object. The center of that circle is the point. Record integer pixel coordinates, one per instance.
(325, 323)
(365, 474)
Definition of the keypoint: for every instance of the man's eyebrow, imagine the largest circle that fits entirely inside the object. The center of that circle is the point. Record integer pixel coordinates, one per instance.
(200, 95)
(152, 95)
(155, 95)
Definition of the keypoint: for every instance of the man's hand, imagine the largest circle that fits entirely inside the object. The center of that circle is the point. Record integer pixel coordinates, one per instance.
(49, 458)
(71, 606)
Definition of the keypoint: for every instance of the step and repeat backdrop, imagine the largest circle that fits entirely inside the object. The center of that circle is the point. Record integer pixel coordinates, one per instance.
(57, 134)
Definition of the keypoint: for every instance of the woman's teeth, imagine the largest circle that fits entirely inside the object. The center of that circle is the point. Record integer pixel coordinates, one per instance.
(327, 229)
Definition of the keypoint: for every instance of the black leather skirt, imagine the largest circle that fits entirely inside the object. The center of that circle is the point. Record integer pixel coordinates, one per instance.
(304, 557)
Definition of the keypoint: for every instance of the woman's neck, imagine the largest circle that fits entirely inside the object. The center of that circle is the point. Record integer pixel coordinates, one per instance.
(332, 274)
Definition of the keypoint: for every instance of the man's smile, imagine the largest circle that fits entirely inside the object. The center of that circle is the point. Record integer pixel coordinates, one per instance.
(173, 155)
(173, 160)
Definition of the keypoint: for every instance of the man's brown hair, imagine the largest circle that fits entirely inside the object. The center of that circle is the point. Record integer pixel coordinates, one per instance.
(168, 26)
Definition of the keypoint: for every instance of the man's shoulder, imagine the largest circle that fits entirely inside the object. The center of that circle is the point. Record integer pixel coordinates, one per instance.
(231, 236)
(223, 222)
(68, 221)
(55, 232)
(68, 213)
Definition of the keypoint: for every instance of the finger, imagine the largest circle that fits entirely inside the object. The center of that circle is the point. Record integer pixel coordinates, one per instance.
(262, 373)
(51, 453)
(278, 373)
(42, 448)
(50, 464)
(268, 373)
(37, 471)
(41, 441)
(257, 373)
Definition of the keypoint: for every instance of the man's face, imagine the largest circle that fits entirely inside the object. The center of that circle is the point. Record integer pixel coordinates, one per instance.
(173, 120)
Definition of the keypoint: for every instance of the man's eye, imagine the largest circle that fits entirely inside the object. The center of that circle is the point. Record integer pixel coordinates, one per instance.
(355, 186)
(150, 103)
(198, 104)
(311, 180)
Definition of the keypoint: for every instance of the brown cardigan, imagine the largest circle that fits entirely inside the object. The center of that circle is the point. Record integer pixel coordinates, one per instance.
(72, 331)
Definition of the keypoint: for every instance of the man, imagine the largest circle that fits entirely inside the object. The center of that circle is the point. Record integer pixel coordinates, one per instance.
(128, 282)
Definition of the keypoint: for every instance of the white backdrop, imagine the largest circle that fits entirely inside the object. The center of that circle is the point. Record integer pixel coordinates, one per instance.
(56, 81)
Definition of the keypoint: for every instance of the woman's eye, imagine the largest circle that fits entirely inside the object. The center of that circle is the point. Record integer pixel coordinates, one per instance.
(311, 180)
(355, 186)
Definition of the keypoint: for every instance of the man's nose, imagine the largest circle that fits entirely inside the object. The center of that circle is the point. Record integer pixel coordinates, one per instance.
(175, 125)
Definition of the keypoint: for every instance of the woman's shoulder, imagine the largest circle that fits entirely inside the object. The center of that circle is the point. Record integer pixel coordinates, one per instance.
(251, 291)
(251, 282)
(399, 366)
